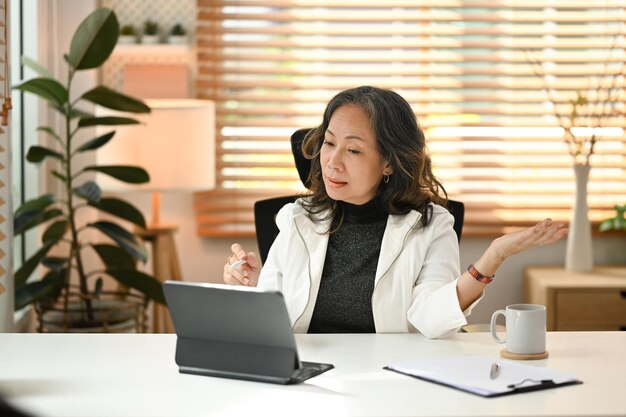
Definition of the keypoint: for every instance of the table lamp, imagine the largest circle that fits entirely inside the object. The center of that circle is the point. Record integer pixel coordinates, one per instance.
(175, 143)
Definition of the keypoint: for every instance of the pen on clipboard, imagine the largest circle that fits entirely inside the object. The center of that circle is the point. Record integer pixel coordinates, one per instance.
(495, 371)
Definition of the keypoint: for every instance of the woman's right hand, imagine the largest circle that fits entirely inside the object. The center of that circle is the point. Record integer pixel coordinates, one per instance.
(246, 274)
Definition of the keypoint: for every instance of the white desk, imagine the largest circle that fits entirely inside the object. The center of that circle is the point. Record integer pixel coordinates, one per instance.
(135, 375)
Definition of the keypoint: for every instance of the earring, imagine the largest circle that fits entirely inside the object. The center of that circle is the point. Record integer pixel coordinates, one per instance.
(386, 179)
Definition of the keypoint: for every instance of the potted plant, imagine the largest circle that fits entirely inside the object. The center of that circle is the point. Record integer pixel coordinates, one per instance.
(178, 35)
(128, 35)
(150, 32)
(69, 284)
(615, 223)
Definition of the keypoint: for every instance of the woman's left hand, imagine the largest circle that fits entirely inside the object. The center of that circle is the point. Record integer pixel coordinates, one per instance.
(543, 233)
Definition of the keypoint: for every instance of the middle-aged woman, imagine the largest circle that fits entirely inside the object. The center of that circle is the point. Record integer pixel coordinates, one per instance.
(372, 248)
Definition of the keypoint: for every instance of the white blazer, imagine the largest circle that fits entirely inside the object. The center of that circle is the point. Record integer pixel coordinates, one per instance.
(416, 277)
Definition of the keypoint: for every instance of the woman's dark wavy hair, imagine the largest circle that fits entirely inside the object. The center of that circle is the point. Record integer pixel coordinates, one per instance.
(400, 140)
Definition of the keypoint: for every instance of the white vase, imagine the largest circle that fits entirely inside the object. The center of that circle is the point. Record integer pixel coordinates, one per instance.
(579, 254)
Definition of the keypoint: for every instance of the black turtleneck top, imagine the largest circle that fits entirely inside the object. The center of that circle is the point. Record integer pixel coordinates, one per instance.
(344, 300)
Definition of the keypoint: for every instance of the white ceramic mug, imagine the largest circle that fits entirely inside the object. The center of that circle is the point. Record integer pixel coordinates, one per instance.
(525, 328)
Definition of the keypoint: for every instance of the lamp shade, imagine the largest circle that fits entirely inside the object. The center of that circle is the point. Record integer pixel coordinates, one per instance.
(175, 143)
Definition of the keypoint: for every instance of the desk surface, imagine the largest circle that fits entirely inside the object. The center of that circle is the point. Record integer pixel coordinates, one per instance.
(135, 375)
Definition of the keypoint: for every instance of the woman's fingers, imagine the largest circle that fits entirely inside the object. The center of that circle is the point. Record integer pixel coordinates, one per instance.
(238, 251)
(543, 233)
(233, 268)
(241, 268)
(253, 261)
(555, 232)
(231, 276)
(547, 232)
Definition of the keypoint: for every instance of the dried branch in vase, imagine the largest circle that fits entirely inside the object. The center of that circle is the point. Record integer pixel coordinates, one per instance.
(585, 117)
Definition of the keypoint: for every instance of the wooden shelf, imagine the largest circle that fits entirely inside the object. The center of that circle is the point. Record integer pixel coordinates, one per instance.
(161, 49)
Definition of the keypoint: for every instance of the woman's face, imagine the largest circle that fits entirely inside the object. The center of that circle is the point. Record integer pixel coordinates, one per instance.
(351, 164)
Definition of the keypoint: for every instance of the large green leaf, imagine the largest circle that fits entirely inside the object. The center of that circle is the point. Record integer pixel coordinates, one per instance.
(30, 219)
(123, 238)
(110, 99)
(114, 257)
(106, 121)
(55, 263)
(37, 154)
(90, 191)
(80, 113)
(59, 176)
(141, 282)
(121, 209)
(47, 288)
(36, 204)
(35, 66)
(94, 40)
(46, 88)
(55, 231)
(49, 131)
(73, 113)
(96, 143)
(27, 268)
(125, 173)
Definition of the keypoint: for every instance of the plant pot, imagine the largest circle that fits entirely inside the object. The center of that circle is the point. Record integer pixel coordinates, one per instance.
(127, 39)
(112, 313)
(178, 40)
(150, 39)
(579, 253)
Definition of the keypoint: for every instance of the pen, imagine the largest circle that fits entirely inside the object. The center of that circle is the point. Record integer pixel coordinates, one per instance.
(237, 264)
(495, 371)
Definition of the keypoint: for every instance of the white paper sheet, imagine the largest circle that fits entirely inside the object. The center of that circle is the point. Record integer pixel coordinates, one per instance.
(472, 373)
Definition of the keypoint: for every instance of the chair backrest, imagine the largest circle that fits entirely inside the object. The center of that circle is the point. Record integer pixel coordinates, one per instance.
(265, 222)
(457, 209)
(303, 165)
(265, 210)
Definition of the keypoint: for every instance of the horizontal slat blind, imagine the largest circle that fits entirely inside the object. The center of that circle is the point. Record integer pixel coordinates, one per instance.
(465, 66)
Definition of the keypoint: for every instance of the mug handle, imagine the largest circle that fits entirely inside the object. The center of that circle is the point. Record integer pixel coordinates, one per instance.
(494, 334)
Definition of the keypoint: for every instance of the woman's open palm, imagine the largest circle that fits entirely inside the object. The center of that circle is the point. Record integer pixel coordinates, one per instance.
(543, 233)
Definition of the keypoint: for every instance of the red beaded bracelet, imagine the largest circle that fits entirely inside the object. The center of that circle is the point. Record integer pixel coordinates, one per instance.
(478, 276)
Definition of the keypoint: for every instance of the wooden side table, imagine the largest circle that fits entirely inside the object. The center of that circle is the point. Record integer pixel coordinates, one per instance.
(579, 301)
(166, 266)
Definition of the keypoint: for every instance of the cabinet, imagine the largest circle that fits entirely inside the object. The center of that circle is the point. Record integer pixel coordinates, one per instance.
(579, 300)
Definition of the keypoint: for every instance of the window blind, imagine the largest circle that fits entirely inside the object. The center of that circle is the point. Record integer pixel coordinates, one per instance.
(465, 66)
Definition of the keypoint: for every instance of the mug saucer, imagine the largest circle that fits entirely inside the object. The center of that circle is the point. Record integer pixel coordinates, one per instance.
(523, 356)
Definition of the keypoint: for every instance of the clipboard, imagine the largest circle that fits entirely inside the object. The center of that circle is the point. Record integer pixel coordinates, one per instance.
(474, 374)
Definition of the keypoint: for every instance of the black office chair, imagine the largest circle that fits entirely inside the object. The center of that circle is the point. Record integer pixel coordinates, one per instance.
(265, 221)
(265, 210)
